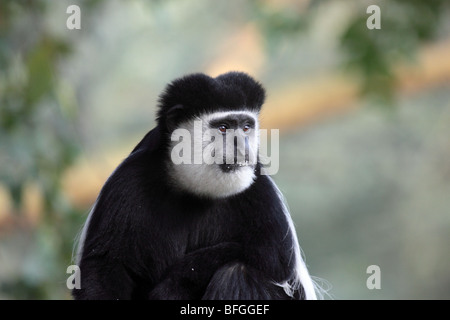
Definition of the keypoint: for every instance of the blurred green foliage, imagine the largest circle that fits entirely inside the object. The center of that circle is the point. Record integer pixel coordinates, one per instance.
(38, 139)
(370, 54)
(373, 55)
(38, 113)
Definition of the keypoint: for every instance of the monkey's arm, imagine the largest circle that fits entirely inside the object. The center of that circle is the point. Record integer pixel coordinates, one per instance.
(255, 276)
(189, 277)
(109, 256)
(268, 263)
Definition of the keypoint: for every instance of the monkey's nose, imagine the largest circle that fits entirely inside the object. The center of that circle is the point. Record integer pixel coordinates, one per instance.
(241, 152)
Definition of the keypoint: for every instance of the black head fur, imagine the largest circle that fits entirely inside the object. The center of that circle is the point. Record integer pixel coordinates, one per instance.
(196, 94)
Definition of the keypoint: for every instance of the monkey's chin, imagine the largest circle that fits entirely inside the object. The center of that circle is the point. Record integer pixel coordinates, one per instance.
(213, 181)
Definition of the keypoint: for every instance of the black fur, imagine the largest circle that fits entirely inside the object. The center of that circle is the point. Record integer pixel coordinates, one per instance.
(147, 240)
(198, 93)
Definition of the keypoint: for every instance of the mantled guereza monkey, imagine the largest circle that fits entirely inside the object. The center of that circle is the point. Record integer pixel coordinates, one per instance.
(188, 214)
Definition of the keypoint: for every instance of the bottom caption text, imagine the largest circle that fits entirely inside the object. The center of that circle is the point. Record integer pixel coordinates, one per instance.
(227, 309)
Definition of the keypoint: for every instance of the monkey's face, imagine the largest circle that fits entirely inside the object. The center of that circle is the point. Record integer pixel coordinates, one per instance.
(215, 155)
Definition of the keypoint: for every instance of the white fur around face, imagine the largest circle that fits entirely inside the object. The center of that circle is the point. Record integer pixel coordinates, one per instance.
(208, 179)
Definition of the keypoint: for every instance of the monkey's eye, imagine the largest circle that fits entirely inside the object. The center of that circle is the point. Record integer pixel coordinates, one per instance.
(246, 128)
(222, 129)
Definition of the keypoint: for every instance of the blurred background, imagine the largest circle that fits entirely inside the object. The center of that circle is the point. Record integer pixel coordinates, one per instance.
(364, 120)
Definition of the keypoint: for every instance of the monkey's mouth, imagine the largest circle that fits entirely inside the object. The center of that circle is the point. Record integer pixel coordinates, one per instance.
(232, 167)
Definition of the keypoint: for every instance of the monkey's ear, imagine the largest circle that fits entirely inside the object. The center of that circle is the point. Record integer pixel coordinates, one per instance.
(173, 116)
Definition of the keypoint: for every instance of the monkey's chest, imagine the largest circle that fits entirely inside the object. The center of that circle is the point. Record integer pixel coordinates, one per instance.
(215, 225)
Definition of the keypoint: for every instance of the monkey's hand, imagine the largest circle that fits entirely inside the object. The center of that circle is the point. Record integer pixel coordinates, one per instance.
(188, 278)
